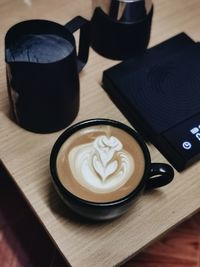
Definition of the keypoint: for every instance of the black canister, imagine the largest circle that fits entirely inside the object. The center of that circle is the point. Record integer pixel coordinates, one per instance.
(121, 28)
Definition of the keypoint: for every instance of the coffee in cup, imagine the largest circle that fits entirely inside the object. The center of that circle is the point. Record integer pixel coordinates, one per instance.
(100, 163)
(100, 166)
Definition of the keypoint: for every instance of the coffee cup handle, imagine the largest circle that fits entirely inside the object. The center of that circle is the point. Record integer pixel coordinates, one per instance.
(160, 174)
(84, 38)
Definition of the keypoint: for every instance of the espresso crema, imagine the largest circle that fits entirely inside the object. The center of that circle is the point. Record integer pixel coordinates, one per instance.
(100, 163)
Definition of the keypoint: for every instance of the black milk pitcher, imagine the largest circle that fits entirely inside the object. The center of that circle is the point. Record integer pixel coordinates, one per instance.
(42, 68)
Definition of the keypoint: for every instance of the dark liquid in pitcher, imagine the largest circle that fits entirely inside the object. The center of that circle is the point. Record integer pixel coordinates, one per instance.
(38, 48)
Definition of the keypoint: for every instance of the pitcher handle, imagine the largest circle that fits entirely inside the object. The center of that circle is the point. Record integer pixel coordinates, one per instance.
(84, 38)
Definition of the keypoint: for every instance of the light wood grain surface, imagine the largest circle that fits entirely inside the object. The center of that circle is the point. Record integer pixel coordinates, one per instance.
(26, 155)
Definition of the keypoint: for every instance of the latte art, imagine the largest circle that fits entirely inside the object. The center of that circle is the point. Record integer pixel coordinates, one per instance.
(102, 165)
(103, 161)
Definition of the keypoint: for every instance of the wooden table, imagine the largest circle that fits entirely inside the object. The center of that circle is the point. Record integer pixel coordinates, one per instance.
(26, 155)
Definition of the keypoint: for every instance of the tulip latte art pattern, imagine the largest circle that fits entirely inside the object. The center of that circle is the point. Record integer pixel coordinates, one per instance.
(101, 166)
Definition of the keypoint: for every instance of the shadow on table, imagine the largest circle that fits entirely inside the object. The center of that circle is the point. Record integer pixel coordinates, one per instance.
(24, 239)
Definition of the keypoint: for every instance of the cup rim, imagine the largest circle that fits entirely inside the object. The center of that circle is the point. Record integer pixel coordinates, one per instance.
(92, 122)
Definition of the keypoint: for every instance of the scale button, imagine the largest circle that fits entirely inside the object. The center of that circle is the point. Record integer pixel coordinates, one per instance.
(187, 145)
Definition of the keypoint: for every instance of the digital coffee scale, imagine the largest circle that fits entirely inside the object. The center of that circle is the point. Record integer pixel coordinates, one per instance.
(159, 93)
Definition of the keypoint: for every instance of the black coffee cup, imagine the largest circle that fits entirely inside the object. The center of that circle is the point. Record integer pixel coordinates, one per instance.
(42, 72)
(153, 175)
(120, 29)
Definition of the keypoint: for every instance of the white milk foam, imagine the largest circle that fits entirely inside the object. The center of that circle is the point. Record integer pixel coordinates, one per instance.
(101, 166)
